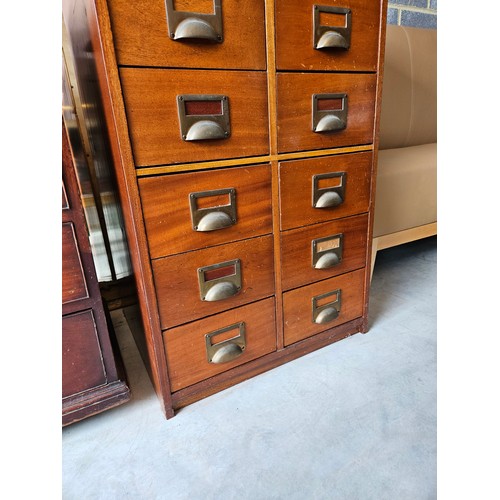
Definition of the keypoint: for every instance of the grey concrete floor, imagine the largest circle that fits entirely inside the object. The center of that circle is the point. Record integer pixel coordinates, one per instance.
(355, 420)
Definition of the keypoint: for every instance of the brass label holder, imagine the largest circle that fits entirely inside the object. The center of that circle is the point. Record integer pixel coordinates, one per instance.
(326, 312)
(331, 37)
(185, 26)
(327, 252)
(329, 120)
(229, 349)
(216, 217)
(206, 126)
(225, 284)
(330, 196)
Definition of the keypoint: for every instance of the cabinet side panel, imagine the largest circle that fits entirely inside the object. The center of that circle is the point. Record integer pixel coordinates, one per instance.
(373, 178)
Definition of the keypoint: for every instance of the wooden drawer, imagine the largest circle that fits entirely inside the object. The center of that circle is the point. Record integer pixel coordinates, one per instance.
(298, 305)
(321, 251)
(186, 347)
(166, 204)
(82, 358)
(295, 48)
(152, 106)
(298, 178)
(180, 285)
(296, 115)
(74, 286)
(141, 35)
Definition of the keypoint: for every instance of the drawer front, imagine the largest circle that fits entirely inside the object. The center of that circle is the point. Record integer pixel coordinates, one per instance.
(307, 310)
(186, 346)
(304, 182)
(142, 34)
(342, 113)
(82, 358)
(74, 286)
(169, 209)
(226, 276)
(325, 39)
(215, 103)
(323, 250)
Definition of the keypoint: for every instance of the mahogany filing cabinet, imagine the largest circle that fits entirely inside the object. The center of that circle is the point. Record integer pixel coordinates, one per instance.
(244, 138)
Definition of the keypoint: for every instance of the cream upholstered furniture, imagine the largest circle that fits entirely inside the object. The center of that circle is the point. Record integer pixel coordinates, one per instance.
(406, 205)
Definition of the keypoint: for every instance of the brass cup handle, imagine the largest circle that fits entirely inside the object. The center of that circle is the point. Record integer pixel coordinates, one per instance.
(186, 26)
(204, 130)
(330, 123)
(331, 196)
(329, 112)
(327, 260)
(326, 252)
(331, 37)
(208, 123)
(326, 315)
(328, 312)
(220, 291)
(215, 217)
(213, 221)
(229, 349)
(193, 27)
(227, 353)
(225, 284)
(329, 199)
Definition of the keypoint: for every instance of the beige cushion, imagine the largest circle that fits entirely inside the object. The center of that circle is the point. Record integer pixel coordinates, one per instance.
(409, 95)
(406, 189)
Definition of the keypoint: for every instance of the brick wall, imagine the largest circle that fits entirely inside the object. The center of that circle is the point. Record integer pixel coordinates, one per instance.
(419, 13)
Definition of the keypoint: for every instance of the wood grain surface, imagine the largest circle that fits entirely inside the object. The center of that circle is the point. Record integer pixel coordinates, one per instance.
(82, 366)
(186, 350)
(295, 91)
(378, 101)
(210, 165)
(167, 213)
(177, 285)
(141, 36)
(74, 286)
(151, 105)
(297, 305)
(296, 188)
(294, 37)
(296, 250)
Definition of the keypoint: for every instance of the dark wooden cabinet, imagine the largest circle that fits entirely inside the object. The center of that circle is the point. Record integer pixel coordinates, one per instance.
(92, 378)
(245, 160)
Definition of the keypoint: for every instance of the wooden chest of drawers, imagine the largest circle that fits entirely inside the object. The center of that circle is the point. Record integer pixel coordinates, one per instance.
(93, 379)
(244, 136)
